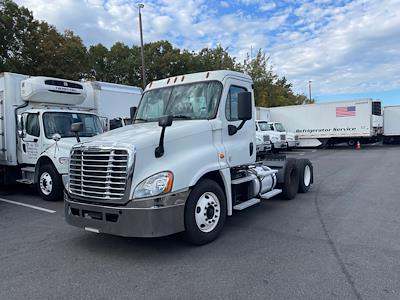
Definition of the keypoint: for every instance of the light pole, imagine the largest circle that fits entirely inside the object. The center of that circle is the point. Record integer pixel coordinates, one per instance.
(141, 5)
(309, 90)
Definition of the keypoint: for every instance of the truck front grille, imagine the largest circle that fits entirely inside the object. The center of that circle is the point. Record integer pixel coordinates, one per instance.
(266, 138)
(100, 174)
(296, 137)
(283, 137)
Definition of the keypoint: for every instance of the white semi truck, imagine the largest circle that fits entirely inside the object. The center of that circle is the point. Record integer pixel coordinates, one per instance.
(186, 163)
(36, 114)
(332, 122)
(391, 124)
(280, 138)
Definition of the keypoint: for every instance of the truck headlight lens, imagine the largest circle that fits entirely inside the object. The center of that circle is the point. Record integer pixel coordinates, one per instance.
(157, 184)
(63, 160)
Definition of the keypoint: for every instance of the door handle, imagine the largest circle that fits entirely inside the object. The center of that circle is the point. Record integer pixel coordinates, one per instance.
(24, 148)
(251, 148)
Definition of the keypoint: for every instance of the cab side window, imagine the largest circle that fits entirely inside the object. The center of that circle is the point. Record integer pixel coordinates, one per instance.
(32, 125)
(231, 107)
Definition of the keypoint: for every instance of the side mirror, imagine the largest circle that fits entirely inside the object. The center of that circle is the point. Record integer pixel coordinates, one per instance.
(245, 111)
(165, 121)
(132, 112)
(56, 137)
(20, 126)
(245, 107)
(76, 127)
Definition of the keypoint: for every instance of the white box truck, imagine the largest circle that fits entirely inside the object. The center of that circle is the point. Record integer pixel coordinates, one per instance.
(280, 138)
(36, 114)
(391, 124)
(186, 163)
(332, 122)
(113, 101)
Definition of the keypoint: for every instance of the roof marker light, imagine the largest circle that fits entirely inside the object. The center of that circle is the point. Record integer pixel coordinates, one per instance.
(208, 74)
(183, 77)
(168, 80)
(175, 79)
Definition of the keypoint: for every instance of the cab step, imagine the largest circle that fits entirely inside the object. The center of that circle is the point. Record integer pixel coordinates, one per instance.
(243, 179)
(246, 204)
(271, 194)
(24, 181)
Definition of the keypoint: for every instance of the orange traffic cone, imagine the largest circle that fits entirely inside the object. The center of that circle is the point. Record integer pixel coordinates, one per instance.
(358, 147)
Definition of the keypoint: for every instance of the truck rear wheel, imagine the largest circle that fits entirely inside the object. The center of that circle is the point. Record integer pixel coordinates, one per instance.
(306, 174)
(50, 184)
(205, 212)
(290, 183)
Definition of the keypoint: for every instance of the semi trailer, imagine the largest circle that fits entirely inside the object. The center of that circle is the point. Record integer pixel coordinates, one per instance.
(187, 162)
(332, 122)
(391, 124)
(36, 114)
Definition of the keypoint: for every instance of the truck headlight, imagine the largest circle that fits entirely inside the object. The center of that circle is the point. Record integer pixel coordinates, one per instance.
(157, 184)
(63, 160)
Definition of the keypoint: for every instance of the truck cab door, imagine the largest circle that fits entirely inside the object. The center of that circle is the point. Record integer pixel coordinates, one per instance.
(30, 142)
(240, 147)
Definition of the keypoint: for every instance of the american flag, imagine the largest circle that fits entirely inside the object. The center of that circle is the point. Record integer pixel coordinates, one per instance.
(346, 111)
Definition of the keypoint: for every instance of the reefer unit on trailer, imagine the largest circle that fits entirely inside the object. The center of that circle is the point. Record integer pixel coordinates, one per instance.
(332, 122)
(391, 124)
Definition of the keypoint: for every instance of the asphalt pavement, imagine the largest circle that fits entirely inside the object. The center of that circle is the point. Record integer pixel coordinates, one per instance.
(339, 241)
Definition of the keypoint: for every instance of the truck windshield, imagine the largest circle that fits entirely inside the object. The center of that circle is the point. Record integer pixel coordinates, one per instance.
(264, 126)
(188, 101)
(60, 122)
(279, 127)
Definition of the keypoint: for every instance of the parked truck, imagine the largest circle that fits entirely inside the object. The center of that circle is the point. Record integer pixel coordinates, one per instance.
(112, 101)
(333, 122)
(187, 163)
(36, 114)
(391, 124)
(280, 138)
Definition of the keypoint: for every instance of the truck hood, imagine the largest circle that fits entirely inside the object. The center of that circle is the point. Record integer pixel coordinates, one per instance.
(147, 134)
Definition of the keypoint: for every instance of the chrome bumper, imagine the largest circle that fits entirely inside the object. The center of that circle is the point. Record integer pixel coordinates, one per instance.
(153, 217)
(280, 145)
(263, 148)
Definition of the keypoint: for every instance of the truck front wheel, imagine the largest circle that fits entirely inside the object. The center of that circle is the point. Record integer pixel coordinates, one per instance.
(50, 184)
(205, 212)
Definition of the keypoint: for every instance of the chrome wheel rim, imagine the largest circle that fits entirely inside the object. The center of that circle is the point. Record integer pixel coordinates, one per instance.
(207, 212)
(307, 175)
(46, 183)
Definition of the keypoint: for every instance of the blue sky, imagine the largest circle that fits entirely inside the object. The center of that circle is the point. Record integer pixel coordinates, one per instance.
(349, 49)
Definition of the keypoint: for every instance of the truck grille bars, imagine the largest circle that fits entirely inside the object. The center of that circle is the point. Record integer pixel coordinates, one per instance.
(283, 137)
(98, 174)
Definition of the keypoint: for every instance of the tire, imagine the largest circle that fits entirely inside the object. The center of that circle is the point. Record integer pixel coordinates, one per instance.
(290, 183)
(50, 184)
(205, 212)
(351, 143)
(306, 174)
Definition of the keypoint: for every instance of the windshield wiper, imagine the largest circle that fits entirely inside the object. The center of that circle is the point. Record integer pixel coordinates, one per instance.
(139, 119)
(182, 117)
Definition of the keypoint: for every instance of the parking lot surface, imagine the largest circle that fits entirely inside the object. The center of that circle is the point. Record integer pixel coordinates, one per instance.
(339, 241)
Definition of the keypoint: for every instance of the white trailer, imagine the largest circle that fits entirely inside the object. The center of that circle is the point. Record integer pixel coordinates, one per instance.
(113, 101)
(391, 124)
(36, 114)
(332, 122)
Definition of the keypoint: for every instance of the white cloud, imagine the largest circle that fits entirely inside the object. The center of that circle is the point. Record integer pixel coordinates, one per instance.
(343, 46)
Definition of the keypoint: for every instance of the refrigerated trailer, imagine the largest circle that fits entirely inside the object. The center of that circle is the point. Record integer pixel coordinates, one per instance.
(391, 124)
(333, 122)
